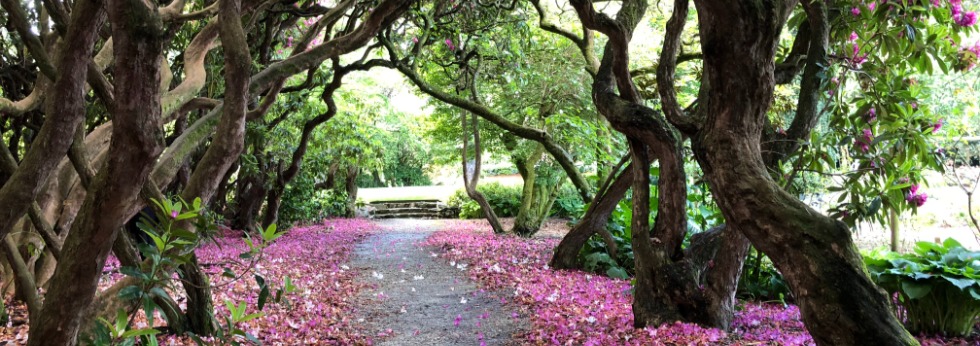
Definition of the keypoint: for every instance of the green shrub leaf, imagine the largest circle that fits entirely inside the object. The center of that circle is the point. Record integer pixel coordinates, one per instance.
(958, 282)
(916, 289)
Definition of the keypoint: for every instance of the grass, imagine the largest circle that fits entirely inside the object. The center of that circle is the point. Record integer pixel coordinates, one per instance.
(406, 193)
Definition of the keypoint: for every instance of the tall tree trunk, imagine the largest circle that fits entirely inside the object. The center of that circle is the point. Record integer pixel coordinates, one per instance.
(137, 140)
(273, 200)
(739, 41)
(350, 185)
(225, 148)
(248, 201)
(471, 173)
(220, 205)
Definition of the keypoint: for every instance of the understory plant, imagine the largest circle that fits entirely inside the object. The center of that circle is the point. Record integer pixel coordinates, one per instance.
(760, 280)
(936, 287)
(171, 245)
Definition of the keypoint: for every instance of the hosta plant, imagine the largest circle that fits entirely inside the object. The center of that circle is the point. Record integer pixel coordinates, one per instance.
(936, 287)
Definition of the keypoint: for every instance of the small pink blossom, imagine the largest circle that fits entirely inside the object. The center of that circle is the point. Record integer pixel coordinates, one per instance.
(915, 197)
(856, 11)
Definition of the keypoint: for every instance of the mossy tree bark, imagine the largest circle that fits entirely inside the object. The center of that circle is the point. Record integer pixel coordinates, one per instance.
(537, 195)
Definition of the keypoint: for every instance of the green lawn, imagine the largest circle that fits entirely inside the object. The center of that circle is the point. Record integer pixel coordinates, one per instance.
(441, 193)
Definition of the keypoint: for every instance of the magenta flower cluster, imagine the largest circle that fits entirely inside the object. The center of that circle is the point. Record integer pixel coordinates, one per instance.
(961, 17)
(915, 197)
(864, 141)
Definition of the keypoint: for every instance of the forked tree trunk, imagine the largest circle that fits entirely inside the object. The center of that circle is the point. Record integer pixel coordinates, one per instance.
(669, 285)
(839, 303)
(537, 197)
(249, 194)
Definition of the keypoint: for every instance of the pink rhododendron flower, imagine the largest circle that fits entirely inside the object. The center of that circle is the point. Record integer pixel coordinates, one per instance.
(856, 11)
(915, 197)
(449, 43)
(938, 125)
(965, 18)
(173, 214)
(854, 36)
(872, 114)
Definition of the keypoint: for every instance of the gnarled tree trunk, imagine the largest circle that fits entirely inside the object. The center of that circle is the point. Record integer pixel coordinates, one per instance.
(136, 142)
(839, 303)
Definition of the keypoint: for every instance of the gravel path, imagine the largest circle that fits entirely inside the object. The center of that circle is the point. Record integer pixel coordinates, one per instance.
(418, 299)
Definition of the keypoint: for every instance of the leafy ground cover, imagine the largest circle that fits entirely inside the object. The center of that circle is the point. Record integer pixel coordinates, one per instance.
(567, 307)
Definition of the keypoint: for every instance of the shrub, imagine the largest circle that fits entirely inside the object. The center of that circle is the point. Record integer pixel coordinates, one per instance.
(506, 201)
(936, 287)
(569, 204)
(761, 280)
(297, 206)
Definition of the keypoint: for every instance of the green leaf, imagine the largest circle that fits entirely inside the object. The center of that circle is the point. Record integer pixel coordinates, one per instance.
(974, 293)
(250, 317)
(148, 308)
(960, 282)
(923, 248)
(951, 243)
(139, 332)
(269, 233)
(121, 320)
(915, 289)
(617, 272)
(133, 271)
(263, 296)
(130, 292)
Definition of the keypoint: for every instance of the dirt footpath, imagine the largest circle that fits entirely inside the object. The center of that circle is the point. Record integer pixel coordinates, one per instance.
(419, 299)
